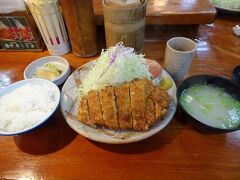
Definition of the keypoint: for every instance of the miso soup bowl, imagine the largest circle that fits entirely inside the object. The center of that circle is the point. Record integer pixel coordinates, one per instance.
(223, 83)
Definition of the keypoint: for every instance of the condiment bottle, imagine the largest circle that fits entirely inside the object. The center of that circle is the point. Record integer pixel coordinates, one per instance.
(50, 23)
(124, 20)
(79, 19)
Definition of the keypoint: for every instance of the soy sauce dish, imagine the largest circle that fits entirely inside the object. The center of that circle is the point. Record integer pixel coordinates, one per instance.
(210, 101)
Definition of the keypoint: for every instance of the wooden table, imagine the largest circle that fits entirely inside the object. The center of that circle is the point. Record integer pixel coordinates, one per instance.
(55, 151)
(171, 12)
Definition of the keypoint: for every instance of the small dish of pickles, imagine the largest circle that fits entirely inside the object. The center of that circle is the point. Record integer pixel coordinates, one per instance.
(52, 68)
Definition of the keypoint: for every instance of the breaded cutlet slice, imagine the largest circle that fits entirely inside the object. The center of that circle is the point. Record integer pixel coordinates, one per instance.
(161, 102)
(95, 108)
(150, 109)
(137, 95)
(109, 109)
(165, 101)
(83, 113)
(123, 106)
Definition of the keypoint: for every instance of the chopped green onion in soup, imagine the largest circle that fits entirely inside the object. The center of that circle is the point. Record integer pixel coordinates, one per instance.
(212, 106)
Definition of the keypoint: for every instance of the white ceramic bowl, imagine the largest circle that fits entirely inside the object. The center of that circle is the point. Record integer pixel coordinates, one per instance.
(31, 68)
(35, 81)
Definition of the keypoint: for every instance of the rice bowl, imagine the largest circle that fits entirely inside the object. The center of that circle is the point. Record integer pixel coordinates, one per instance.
(27, 104)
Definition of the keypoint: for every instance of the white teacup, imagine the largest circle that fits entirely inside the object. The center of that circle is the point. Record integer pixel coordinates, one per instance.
(178, 56)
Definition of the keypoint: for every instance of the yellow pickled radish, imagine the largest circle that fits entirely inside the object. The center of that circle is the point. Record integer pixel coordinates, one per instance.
(165, 83)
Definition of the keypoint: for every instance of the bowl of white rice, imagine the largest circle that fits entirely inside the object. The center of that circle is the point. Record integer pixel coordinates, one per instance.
(27, 104)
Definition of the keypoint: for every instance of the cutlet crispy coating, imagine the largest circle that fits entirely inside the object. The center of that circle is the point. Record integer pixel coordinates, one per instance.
(95, 109)
(83, 114)
(161, 102)
(165, 101)
(150, 109)
(123, 106)
(109, 109)
(137, 94)
(136, 105)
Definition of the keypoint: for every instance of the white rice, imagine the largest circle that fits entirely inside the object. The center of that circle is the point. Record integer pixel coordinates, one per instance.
(26, 106)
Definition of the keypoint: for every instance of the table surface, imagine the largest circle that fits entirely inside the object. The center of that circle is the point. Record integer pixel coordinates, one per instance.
(171, 12)
(55, 151)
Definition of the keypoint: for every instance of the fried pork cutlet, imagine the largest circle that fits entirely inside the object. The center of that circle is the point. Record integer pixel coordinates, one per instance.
(161, 102)
(137, 95)
(109, 109)
(83, 114)
(123, 106)
(150, 109)
(165, 100)
(95, 109)
(136, 105)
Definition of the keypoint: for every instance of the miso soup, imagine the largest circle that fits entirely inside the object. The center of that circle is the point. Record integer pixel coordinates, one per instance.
(212, 106)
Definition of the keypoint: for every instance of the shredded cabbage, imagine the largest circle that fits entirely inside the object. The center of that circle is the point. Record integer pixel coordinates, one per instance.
(115, 65)
(231, 4)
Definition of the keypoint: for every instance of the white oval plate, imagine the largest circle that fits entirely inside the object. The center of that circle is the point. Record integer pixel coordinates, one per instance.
(69, 107)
